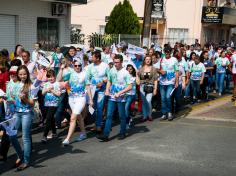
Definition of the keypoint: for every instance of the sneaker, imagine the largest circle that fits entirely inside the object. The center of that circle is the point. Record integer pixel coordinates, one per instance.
(82, 137)
(163, 117)
(170, 116)
(51, 136)
(220, 94)
(103, 138)
(121, 137)
(143, 119)
(66, 142)
(44, 140)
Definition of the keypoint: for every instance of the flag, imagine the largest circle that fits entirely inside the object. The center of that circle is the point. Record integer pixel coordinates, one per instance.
(10, 126)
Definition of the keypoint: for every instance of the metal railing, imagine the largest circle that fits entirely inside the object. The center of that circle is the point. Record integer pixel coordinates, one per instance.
(99, 40)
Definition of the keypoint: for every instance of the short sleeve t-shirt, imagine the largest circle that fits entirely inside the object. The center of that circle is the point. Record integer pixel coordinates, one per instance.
(97, 73)
(234, 63)
(66, 73)
(119, 79)
(197, 70)
(57, 57)
(133, 90)
(208, 63)
(77, 83)
(219, 61)
(105, 57)
(10, 92)
(50, 99)
(21, 106)
(183, 64)
(170, 66)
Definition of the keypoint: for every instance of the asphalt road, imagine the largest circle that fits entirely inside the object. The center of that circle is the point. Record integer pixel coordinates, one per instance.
(185, 146)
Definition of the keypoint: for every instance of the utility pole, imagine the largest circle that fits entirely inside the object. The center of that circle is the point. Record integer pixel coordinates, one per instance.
(147, 22)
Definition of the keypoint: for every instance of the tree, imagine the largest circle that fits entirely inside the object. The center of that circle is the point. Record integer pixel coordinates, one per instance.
(123, 20)
(75, 36)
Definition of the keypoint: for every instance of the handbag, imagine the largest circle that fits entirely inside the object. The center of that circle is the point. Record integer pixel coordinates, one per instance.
(148, 88)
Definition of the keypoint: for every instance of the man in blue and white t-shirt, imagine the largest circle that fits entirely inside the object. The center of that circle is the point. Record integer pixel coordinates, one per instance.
(97, 73)
(118, 84)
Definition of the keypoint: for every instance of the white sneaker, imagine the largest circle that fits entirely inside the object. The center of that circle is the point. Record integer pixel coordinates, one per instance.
(220, 94)
(66, 142)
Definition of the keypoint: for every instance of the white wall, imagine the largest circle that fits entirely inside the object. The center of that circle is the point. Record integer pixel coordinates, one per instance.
(91, 15)
(26, 12)
(184, 14)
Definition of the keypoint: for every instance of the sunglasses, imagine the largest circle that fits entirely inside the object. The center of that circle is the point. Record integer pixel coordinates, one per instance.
(77, 65)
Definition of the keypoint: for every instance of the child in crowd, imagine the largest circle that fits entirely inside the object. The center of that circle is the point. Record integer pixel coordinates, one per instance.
(51, 91)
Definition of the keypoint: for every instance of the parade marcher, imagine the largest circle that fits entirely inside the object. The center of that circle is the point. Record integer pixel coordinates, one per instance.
(97, 74)
(169, 79)
(205, 87)
(79, 85)
(221, 63)
(24, 101)
(10, 108)
(147, 79)
(5, 142)
(18, 52)
(233, 70)
(30, 65)
(4, 55)
(35, 53)
(52, 93)
(105, 55)
(131, 95)
(57, 56)
(183, 68)
(188, 86)
(118, 84)
(63, 76)
(197, 72)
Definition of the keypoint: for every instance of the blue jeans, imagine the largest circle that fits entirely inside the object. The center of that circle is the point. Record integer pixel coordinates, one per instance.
(187, 90)
(63, 103)
(166, 105)
(195, 85)
(146, 102)
(110, 110)
(228, 78)
(98, 101)
(23, 119)
(129, 100)
(177, 96)
(220, 77)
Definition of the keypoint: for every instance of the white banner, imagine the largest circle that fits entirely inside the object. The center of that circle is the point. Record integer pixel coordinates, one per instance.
(132, 49)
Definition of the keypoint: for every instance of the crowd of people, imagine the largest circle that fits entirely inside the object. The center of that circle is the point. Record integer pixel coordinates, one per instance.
(68, 86)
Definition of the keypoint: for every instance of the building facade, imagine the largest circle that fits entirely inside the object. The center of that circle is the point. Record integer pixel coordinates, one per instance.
(26, 22)
(181, 20)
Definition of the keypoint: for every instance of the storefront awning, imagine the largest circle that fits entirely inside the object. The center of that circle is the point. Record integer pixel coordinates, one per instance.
(219, 15)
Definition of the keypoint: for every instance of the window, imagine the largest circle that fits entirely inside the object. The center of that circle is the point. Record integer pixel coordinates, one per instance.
(177, 35)
(101, 29)
(47, 32)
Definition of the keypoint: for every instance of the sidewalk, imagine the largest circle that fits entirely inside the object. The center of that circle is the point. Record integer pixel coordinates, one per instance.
(221, 109)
